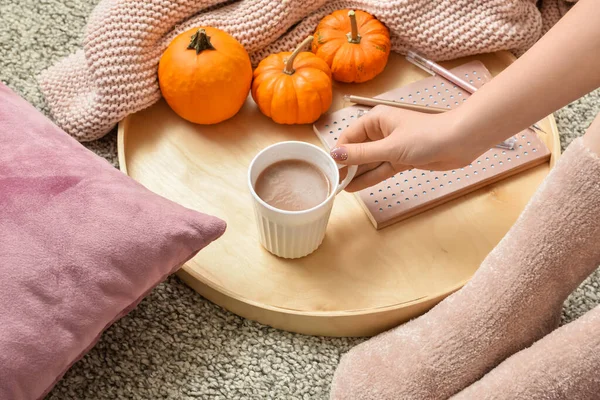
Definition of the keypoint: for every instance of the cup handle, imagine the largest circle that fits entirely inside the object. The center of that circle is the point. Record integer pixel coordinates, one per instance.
(351, 173)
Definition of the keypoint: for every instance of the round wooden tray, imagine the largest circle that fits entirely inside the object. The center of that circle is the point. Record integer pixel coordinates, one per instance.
(360, 281)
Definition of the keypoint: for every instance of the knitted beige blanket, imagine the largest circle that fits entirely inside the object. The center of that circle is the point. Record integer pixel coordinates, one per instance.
(115, 74)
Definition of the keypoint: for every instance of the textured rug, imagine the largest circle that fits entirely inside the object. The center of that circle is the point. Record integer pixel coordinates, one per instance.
(176, 344)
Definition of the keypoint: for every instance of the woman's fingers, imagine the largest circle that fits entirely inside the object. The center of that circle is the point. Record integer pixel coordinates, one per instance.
(367, 139)
(373, 177)
(361, 170)
(366, 167)
(365, 128)
(363, 153)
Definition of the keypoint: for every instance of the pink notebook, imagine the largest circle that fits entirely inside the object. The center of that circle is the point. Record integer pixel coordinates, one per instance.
(414, 191)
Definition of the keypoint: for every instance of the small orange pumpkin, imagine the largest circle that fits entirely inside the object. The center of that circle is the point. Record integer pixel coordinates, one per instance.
(293, 88)
(205, 75)
(354, 44)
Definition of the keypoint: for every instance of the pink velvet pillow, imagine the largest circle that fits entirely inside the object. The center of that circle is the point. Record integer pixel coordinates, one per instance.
(80, 245)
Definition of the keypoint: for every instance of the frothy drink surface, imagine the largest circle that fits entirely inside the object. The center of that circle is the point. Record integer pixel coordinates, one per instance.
(292, 185)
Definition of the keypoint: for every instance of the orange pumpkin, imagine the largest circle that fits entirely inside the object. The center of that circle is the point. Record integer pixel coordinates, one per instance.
(354, 44)
(293, 88)
(205, 75)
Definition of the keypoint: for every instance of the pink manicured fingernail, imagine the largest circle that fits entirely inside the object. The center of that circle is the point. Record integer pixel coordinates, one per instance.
(339, 154)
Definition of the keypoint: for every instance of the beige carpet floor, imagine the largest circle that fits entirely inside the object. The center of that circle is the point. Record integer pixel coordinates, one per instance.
(176, 344)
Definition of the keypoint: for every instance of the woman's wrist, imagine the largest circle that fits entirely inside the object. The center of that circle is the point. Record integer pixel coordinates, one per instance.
(469, 130)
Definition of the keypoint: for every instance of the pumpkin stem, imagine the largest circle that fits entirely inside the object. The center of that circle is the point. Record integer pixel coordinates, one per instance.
(353, 36)
(200, 41)
(289, 63)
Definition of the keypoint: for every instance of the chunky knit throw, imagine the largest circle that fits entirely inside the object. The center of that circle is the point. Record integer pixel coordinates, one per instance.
(115, 74)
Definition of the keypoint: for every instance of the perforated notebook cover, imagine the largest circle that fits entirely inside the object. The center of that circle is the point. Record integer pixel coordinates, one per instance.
(414, 191)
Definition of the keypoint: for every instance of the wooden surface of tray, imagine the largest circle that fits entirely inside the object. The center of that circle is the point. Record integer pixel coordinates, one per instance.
(361, 281)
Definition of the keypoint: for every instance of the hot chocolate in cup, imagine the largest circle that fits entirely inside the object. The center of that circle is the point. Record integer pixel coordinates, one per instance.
(293, 186)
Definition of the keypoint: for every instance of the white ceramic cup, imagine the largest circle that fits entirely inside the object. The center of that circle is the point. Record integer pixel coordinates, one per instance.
(294, 234)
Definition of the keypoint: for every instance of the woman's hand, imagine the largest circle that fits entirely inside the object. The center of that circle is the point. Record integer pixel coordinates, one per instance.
(388, 140)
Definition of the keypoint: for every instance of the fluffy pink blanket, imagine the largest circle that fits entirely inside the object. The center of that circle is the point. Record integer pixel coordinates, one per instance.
(115, 73)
